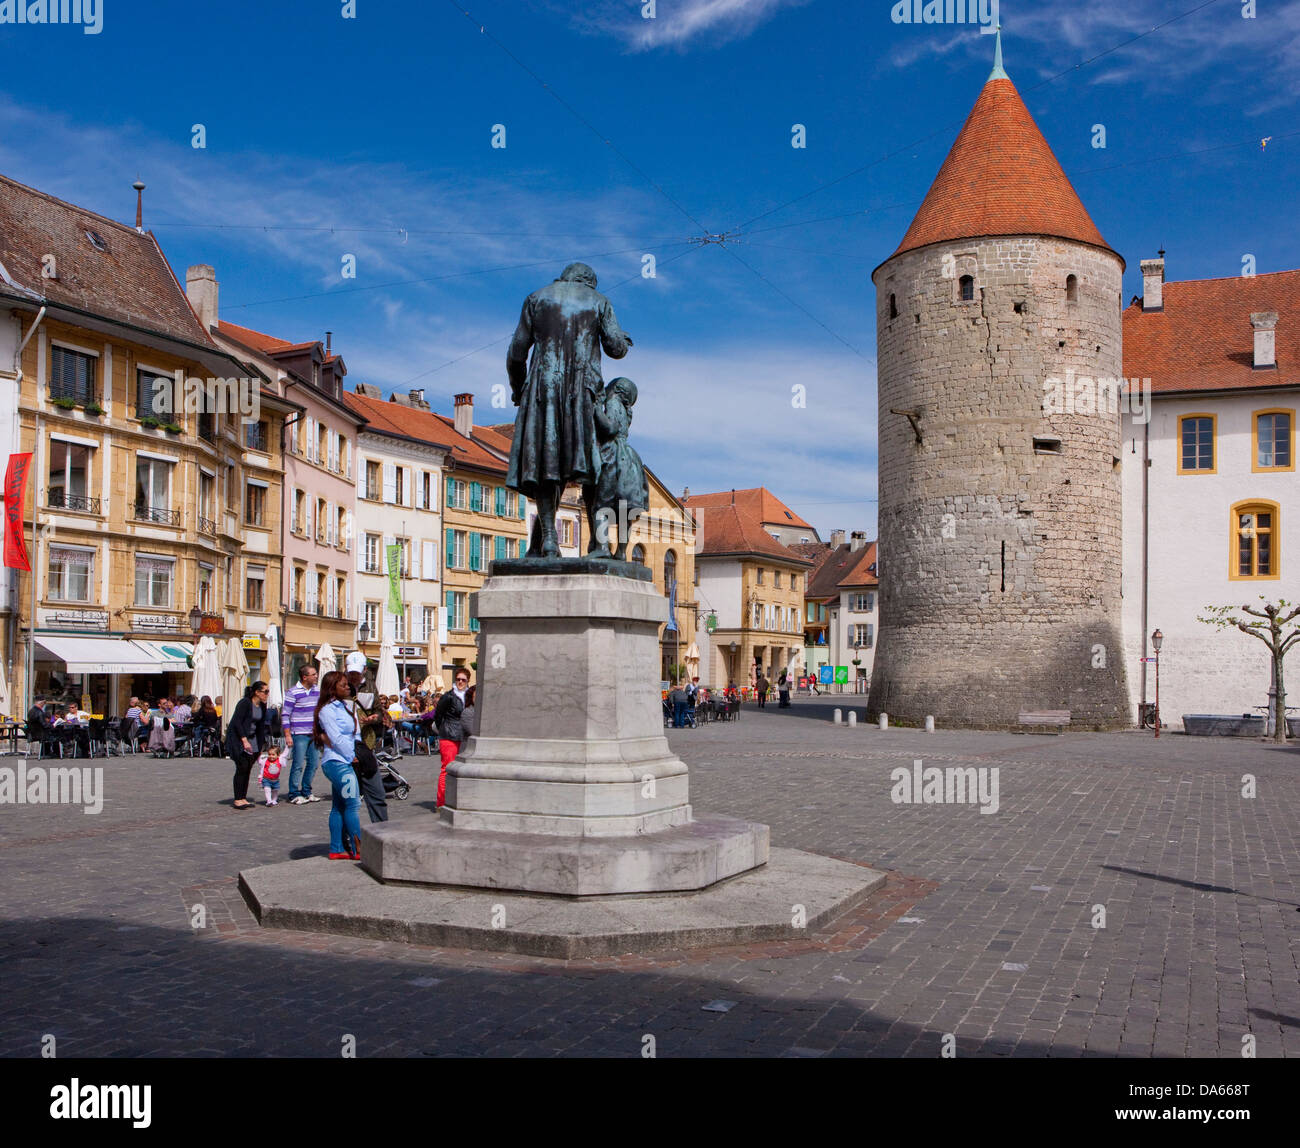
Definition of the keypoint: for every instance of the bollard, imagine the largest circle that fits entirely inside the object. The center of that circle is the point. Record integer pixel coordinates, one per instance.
(839, 717)
(929, 723)
(884, 721)
(853, 717)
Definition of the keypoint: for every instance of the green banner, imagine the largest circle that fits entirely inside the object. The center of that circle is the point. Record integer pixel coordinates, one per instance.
(395, 579)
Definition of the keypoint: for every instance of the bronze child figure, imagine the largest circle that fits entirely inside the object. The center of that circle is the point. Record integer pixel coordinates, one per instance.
(621, 493)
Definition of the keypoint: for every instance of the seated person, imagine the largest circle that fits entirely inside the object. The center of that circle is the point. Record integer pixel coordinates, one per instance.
(162, 734)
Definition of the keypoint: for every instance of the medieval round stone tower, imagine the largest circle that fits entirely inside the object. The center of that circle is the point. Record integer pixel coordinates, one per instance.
(998, 334)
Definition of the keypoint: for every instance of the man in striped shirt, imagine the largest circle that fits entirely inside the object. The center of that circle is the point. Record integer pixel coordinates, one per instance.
(296, 719)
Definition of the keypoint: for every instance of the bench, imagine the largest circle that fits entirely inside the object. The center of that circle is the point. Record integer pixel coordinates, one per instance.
(1057, 718)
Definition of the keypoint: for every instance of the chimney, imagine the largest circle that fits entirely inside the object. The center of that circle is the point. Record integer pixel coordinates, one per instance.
(201, 290)
(857, 540)
(1265, 323)
(837, 537)
(329, 341)
(1153, 284)
(465, 414)
(417, 399)
(139, 205)
(686, 493)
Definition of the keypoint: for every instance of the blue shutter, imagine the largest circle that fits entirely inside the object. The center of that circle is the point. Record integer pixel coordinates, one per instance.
(473, 625)
(450, 488)
(523, 507)
(501, 500)
(475, 496)
(475, 551)
(451, 607)
(449, 554)
(500, 551)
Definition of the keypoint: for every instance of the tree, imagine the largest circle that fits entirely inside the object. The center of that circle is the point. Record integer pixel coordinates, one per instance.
(1271, 629)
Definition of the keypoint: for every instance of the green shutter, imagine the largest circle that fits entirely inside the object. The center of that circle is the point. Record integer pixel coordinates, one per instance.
(475, 551)
(523, 547)
(449, 554)
(523, 506)
(475, 496)
(450, 488)
(500, 551)
(473, 625)
(501, 500)
(451, 609)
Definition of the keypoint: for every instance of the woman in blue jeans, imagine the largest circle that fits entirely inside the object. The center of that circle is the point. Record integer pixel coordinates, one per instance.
(334, 729)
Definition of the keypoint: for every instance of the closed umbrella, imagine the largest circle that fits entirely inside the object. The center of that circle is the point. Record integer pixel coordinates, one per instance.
(326, 662)
(234, 673)
(435, 662)
(386, 681)
(207, 670)
(5, 700)
(692, 657)
(276, 700)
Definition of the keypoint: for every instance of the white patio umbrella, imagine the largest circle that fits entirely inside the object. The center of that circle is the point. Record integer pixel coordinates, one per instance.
(326, 661)
(692, 659)
(386, 680)
(234, 674)
(276, 700)
(207, 670)
(5, 700)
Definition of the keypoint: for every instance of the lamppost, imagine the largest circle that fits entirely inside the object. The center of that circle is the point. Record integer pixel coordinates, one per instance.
(731, 676)
(196, 620)
(363, 634)
(1157, 640)
(857, 661)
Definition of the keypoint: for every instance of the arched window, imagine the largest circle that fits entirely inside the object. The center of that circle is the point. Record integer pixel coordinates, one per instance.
(1071, 288)
(638, 554)
(670, 569)
(1254, 540)
(893, 306)
(966, 286)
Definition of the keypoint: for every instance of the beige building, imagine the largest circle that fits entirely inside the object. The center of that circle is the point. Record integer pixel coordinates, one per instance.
(152, 510)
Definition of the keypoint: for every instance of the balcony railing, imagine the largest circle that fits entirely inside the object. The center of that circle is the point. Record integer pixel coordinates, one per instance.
(146, 513)
(207, 428)
(255, 438)
(73, 502)
(207, 525)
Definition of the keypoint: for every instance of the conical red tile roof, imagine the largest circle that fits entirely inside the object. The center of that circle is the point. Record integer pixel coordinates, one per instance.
(1000, 178)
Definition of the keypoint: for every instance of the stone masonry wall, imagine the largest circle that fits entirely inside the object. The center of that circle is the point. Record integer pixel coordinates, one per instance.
(999, 565)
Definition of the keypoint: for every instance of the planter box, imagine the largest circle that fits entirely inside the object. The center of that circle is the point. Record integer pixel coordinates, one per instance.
(1224, 725)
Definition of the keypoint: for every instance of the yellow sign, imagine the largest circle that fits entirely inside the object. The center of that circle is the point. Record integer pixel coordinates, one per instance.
(252, 643)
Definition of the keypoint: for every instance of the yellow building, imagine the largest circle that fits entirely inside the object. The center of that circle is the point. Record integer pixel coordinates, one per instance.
(152, 508)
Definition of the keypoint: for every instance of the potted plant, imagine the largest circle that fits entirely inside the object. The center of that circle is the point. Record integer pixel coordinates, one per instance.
(150, 422)
(171, 428)
(66, 404)
(93, 408)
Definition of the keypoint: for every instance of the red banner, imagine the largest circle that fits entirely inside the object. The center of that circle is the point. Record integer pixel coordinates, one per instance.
(15, 501)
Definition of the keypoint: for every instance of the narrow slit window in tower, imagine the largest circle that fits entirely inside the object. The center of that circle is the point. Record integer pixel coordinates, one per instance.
(1071, 288)
(893, 307)
(1004, 566)
(967, 287)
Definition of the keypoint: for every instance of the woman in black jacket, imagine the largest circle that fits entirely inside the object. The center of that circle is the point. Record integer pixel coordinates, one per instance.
(246, 734)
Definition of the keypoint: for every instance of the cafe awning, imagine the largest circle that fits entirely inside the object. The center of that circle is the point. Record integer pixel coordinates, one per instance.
(85, 655)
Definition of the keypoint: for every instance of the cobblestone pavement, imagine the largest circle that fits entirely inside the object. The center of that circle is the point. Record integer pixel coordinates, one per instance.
(985, 929)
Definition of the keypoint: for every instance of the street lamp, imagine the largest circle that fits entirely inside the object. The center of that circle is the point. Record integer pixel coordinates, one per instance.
(363, 634)
(1157, 640)
(196, 619)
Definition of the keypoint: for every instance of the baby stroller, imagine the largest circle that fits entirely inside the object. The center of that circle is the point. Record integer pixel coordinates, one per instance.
(394, 783)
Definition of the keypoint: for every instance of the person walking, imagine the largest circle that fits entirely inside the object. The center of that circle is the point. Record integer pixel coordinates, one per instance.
(371, 722)
(246, 735)
(335, 731)
(451, 733)
(783, 690)
(298, 719)
(763, 687)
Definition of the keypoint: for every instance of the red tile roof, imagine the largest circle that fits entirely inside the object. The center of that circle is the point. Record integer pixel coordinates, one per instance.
(757, 503)
(1203, 340)
(843, 567)
(254, 340)
(388, 417)
(725, 530)
(130, 282)
(1000, 178)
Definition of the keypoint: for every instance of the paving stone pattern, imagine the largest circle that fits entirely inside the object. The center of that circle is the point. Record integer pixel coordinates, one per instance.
(984, 930)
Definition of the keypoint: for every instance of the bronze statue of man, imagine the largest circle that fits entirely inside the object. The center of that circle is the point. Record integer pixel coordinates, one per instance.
(565, 324)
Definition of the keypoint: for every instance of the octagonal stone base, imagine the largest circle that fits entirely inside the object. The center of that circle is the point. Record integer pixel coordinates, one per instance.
(337, 897)
(688, 857)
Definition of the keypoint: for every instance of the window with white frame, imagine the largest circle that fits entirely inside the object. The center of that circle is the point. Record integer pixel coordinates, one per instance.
(370, 615)
(153, 481)
(428, 561)
(862, 603)
(153, 394)
(457, 610)
(72, 375)
(154, 577)
(71, 574)
(205, 596)
(69, 481)
(457, 554)
(255, 589)
(862, 635)
(428, 623)
(372, 554)
(457, 494)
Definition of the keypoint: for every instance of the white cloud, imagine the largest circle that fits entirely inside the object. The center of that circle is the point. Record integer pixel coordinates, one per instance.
(676, 24)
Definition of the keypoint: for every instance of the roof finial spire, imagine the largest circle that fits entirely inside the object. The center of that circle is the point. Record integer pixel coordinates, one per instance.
(998, 72)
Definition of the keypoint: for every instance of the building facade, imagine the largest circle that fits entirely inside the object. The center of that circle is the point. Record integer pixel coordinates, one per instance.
(841, 613)
(1000, 509)
(153, 501)
(399, 503)
(1210, 486)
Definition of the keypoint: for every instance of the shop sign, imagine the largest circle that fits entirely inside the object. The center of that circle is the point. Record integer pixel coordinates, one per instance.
(252, 642)
(408, 651)
(212, 624)
(154, 622)
(74, 619)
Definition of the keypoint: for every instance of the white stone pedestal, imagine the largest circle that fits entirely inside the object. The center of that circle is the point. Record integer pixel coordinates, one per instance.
(569, 786)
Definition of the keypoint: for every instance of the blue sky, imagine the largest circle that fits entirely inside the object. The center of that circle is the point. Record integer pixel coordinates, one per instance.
(384, 122)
